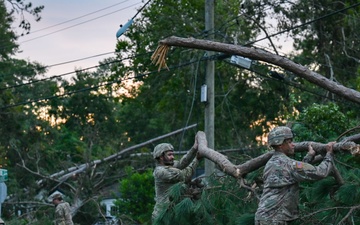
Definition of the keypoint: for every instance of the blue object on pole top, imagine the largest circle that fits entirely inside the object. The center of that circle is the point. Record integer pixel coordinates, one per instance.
(124, 28)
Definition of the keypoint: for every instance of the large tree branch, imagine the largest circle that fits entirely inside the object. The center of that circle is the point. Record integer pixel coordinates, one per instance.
(66, 174)
(238, 171)
(258, 54)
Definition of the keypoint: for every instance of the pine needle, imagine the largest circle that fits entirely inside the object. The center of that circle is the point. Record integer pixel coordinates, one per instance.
(159, 56)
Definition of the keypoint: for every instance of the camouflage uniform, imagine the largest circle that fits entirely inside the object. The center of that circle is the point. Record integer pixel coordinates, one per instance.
(167, 176)
(63, 214)
(279, 201)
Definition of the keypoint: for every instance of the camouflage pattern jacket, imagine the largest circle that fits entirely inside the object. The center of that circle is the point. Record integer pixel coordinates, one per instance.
(167, 176)
(280, 197)
(63, 214)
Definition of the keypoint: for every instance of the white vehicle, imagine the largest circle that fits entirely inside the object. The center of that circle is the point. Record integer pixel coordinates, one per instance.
(107, 220)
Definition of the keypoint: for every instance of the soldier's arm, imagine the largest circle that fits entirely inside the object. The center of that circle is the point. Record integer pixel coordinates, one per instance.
(67, 215)
(188, 157)
(304, 171)
(173, 175)
(310, 155)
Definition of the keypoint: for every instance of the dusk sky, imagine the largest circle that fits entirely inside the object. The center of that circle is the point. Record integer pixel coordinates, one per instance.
(80, 30)
(75, 29)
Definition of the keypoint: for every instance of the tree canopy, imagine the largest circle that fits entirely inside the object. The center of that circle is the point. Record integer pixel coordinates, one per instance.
(75, 135)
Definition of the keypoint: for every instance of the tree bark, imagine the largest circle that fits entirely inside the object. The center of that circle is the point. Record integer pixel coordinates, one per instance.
(258, 54)
(238, 171)
(63, 175)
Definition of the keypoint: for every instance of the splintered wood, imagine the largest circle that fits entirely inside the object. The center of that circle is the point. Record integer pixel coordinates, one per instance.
(158, 57)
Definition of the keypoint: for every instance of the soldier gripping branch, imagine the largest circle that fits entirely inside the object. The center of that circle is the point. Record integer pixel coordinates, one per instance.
(169, 172)
(279, 201)
(62, 211)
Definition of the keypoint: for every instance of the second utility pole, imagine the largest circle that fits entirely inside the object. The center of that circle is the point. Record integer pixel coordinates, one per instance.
(210, 71)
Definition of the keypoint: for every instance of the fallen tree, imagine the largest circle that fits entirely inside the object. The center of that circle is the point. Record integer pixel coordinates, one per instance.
(238, 171)
(256, 54)
(63, 175)
(349, 144)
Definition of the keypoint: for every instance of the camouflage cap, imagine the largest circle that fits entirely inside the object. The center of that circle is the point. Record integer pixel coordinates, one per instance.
(161, 148)
(57, 196)
(278, 135)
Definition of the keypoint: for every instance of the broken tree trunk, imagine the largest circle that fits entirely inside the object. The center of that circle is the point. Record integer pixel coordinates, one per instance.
(238, 171)
(65, 174)
(256, 54)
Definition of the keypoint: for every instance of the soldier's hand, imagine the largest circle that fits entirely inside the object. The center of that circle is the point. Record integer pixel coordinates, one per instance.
(311, 151)
(329, 147)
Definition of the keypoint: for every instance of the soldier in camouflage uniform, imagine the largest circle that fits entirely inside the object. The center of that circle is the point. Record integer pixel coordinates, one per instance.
(62, 211)
(279, 201)
(169, 172)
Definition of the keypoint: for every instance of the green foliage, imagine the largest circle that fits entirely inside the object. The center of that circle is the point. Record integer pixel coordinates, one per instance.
(7, 37)
(23, 7)
(219, 200)
(42, 216)
(318, 191)
(93, 123)
(321, 123)
(348, 194)
(137, 196)
(170, 98)
(88, 213)
(25, 222)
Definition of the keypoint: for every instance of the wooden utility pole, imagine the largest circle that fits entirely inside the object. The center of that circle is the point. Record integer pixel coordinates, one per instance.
(210, 83)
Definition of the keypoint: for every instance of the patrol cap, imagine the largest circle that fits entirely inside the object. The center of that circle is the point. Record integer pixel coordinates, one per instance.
(279, 134)
(161, 148)
(57, 196)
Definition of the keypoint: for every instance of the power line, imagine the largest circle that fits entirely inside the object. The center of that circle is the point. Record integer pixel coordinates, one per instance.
(75, 25)
(304, 24)
(258, 40)
(94, 87)
(344, 70)
(293, 84)
(69, 73)
(272, 35)
(76, 60)
(4, 46)
(79, 17)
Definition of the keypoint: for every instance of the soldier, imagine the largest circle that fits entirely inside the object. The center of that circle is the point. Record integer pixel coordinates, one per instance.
(279, 201)
(169, 172)
(62, 211)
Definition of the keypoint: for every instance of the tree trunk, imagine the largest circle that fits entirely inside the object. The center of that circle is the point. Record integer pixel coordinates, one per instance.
(63, 175)
(238, 171)
(258, 54)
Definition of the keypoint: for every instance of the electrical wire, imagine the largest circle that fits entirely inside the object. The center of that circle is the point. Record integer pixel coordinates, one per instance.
(230, 114)
(76, 18)
(344, 70)
(77, 60)
(295, 27)
(304, 24)
(253, 42)
(4, 46)
(75, 25)
(94, 87)
(195, 74)
(293, 84)
(73, 72)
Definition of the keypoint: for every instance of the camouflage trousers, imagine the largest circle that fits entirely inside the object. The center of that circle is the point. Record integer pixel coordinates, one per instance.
(270, 222)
